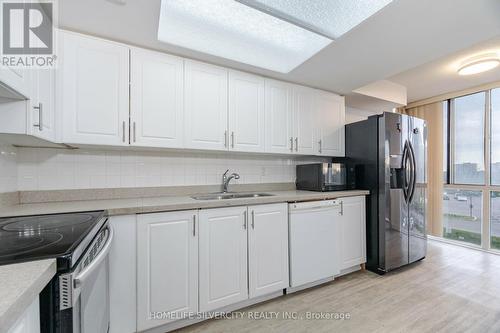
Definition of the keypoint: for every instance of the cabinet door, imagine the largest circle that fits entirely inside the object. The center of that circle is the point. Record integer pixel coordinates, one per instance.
(17, 79)
(353, 235)
(268, 248)
(167, 266)
(304, 120)
(156, 99)
(205, 106)
(331, 120)
(122, 275)
(93, 85)
(279, 138)
(42, 121)
(246, 112)
(223, 257)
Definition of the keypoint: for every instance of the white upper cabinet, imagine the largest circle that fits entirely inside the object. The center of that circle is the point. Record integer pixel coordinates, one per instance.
(246, 112)
(93, 90)
(17, 81)
(167, 266)
(223, 257)
(42, 108)
(304, 120)
(330, 113)
(279, 137)
(268, 249)
(205, 106)
(156, 99)
(109, 94)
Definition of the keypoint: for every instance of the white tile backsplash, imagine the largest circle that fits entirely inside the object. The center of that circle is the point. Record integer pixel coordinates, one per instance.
(56, 169)
(8, 168)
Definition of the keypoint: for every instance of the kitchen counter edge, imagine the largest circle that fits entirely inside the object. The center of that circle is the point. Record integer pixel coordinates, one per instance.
(21, 285)
(168, 203)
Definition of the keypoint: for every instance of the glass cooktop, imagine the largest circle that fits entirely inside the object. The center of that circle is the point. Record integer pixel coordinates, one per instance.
(44, 236)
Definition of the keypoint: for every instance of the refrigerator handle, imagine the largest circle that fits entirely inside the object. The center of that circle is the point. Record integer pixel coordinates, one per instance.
(405, 166)
(413, 172)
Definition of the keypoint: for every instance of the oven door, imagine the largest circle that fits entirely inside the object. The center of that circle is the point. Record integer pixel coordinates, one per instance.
(84, 293)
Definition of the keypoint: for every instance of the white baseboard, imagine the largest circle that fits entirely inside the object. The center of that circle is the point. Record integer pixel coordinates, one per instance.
(308, 285)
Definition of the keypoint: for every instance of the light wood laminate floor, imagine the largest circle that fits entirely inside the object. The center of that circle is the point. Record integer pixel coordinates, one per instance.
(454, 289)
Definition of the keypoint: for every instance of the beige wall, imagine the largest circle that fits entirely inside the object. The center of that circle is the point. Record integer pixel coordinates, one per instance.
(433, 115)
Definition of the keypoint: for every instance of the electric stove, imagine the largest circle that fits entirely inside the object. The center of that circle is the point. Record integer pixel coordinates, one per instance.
(59, 236)
(80, 243)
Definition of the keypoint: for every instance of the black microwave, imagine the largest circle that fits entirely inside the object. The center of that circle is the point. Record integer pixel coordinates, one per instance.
(323, 177)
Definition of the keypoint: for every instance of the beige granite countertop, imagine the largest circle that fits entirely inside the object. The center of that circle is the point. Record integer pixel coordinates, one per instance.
(20, 284)
(166, 203)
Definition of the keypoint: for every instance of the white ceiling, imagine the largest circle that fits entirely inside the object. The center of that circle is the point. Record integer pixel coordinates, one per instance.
(403, 35)
(441, 77)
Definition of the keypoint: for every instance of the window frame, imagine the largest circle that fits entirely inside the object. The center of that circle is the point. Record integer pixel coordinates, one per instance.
(487, 188)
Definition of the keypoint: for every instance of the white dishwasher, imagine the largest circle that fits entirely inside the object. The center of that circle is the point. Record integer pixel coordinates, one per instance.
(314, 247)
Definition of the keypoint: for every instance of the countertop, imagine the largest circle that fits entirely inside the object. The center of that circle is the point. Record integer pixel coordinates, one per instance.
(167, 203)
(20, 284)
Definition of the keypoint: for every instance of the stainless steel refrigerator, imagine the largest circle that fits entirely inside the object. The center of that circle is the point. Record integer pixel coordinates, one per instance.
(388, 154)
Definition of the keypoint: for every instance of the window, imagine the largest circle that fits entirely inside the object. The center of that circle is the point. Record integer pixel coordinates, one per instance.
(468, 127)
(462, 210)
(495, 220)
(495, 137)
(471, 169)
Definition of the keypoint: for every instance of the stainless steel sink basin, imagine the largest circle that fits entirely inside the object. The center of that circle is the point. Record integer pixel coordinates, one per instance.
(225, 196)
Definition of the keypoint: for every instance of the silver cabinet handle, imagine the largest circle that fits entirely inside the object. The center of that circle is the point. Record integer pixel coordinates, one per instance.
(225, 138)
(253, 219)
(319, 142)
(245, 218)
(296, 144)
(291, 144)
(123, 130)
(232, 139)
(134, 131)
(40, 116)
(194, 225)
(342, 208)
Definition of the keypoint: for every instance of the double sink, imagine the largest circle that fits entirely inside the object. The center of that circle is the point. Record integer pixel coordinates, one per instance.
(229, 195)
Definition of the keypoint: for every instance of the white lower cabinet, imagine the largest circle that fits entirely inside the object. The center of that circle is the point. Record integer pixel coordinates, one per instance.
(164, 266)
(167, 267)
(228, 236)
(353, 232)
(122, 275)
(29, 321)
(223, 257)
(267, 249)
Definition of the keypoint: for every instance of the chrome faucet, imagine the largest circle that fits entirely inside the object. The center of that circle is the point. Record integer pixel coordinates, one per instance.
(226, 180)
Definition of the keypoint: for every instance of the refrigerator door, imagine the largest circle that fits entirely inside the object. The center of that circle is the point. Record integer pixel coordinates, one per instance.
(394, 182)
(418, 197)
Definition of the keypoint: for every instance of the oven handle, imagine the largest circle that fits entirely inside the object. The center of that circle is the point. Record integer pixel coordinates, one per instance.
(83, 275)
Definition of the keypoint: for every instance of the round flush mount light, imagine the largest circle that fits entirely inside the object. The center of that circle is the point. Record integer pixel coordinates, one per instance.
(479, 64)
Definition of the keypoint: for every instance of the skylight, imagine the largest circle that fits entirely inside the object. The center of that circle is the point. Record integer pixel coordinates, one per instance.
(232, 30)
(330, 18)
(278, 35)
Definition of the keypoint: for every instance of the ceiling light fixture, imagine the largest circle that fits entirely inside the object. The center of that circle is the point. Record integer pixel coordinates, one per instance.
(479, 64)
